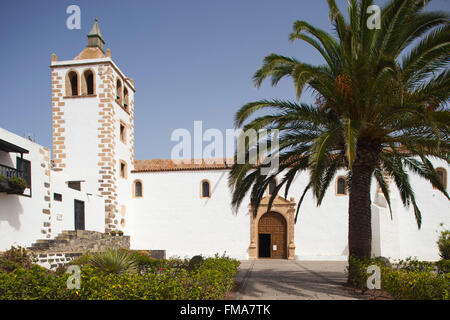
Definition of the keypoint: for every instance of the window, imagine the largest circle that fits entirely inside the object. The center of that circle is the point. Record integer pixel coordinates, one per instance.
(125, 98)
(119, 92)
(87, 82)
(57, 197)
(341, 186)
(271, 187)
(25, 167)
(72, 84)
(76, 185)
(442, 176)
(206, 189)
(137, 189)
(123, 132)
(123, 169)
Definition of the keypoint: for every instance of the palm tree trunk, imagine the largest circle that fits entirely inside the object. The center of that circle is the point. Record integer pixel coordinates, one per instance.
(360, 216)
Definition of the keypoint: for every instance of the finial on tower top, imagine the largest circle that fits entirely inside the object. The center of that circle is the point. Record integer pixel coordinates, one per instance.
(95, 37)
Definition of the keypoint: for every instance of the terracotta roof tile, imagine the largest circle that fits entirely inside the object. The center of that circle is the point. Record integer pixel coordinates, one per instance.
(157, 165)
(90, 53)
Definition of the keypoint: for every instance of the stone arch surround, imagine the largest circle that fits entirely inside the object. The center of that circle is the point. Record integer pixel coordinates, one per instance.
(286, 209)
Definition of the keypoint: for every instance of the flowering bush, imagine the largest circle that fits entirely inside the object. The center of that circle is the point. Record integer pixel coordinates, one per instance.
(211, 281)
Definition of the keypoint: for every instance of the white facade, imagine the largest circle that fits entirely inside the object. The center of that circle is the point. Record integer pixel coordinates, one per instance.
(35, 214)
(93, 137)
(172, 216)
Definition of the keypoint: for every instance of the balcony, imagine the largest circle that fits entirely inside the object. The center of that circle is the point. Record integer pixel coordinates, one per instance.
(6, 185)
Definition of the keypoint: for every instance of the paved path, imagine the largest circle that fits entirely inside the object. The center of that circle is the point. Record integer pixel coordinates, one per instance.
(292, 280)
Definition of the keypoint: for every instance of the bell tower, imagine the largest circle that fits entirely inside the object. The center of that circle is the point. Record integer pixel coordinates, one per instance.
(93, 125)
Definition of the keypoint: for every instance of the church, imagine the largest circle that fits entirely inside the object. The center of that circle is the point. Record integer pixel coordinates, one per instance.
(91, 181)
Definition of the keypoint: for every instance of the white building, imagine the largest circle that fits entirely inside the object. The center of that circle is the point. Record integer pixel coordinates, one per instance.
(94, 183)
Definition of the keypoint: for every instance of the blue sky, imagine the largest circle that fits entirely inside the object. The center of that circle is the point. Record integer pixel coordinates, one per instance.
(191, 60)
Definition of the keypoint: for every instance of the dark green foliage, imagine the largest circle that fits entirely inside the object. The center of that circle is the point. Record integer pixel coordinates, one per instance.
(443, 266)
(409, 279)
(444, 244)
(195, 263)
(14, 258)
(18, 183)
(114, 261)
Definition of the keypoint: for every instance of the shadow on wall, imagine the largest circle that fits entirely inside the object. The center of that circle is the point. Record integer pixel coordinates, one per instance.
(10, 210)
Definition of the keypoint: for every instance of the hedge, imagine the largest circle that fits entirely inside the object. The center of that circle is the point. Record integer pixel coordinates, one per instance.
(408, 280)
(212, 280)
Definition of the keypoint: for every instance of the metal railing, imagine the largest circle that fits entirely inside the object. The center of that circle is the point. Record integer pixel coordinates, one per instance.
(9, 172)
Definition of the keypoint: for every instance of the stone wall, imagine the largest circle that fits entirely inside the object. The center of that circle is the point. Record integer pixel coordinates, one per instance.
(55, 259)
(71, 244)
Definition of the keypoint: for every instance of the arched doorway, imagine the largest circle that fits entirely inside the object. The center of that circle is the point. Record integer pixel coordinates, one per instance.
(272, 236)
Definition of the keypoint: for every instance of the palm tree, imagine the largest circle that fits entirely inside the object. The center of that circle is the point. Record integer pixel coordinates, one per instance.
(382, 110)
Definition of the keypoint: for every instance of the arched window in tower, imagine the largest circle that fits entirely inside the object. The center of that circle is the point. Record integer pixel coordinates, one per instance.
(72, 84)
(205, 189)
(87, 82)
(125, 98)
(138, 189)
(119, 92)
(341, 186)
(442, 176)
(271, 187)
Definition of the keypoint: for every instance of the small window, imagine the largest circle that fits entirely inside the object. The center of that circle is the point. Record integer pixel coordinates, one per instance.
(123, 169)
(72, 84)
(125, 98)
(341, 186)
(57, 197)
(272, 186)
(206, 189)
(88, 82)
(76, 185)
(442, 176)
(119, 91)
(138, 189)
(123, 132)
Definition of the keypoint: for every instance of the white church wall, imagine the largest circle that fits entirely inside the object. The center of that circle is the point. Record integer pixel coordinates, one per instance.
(321, 233)
(63, 214)
(22, 217)
(435, 209)
(172, 216)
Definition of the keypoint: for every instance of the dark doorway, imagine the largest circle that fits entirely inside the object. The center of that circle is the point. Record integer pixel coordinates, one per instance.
(79, 215)
(264, 245)
(274, 225)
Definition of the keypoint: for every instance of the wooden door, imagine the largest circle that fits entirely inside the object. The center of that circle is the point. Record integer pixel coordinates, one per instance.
(79, 215)
(274, 224)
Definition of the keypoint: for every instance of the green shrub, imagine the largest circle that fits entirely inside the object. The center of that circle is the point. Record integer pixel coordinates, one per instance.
(416, 285)
(194, 263)
(444, 244)
(145, 263)
(443, 266)
(2, 177)
(18, 183)
(411, 279)
(357, 270)
(211, 281)
(413, 265)
(14, 258)
(114, 261)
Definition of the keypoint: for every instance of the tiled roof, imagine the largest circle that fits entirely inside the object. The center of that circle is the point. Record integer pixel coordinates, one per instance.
(158, 165)
(90, 53)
